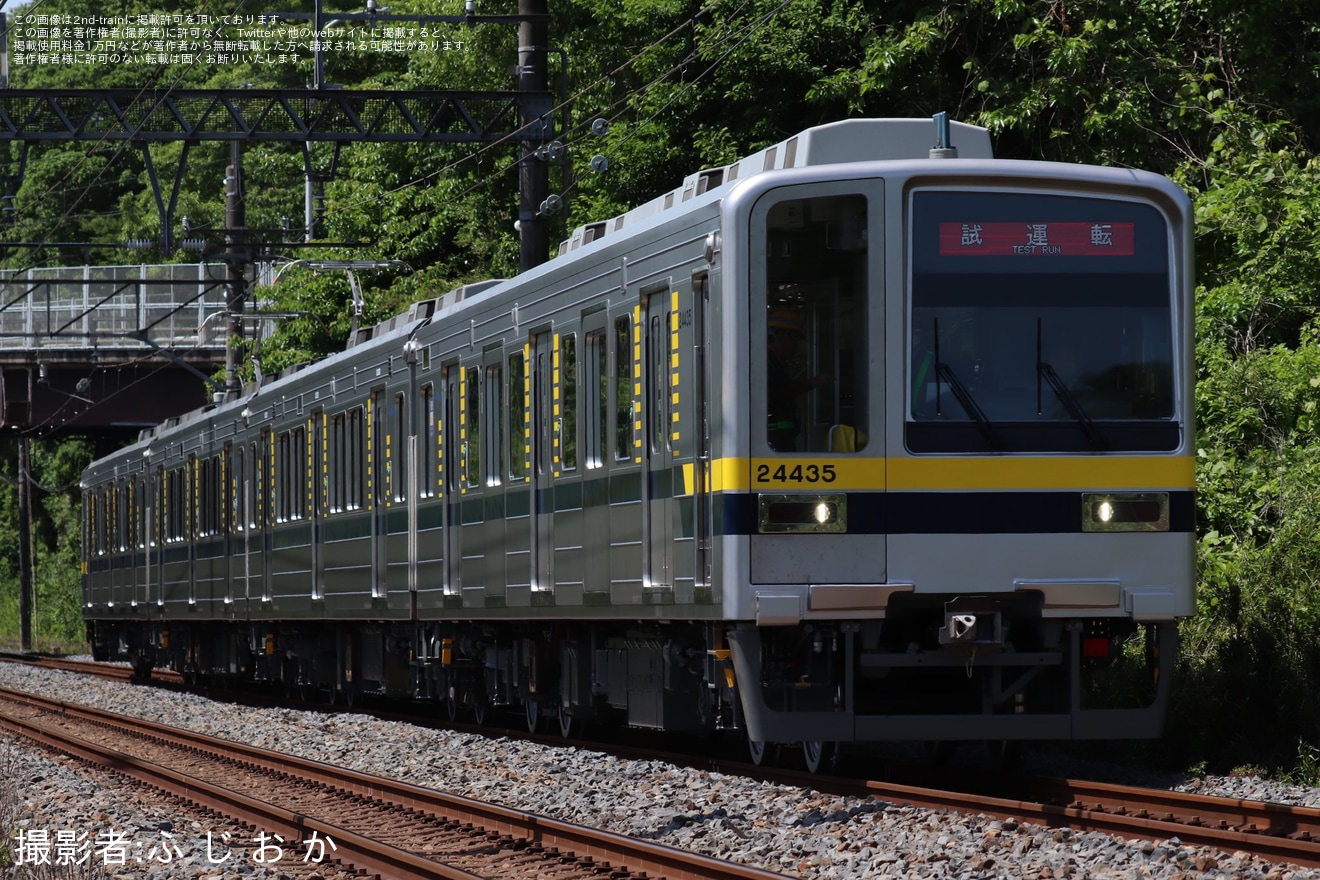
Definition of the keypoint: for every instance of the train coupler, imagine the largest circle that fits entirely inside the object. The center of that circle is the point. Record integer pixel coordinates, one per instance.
(972, 624)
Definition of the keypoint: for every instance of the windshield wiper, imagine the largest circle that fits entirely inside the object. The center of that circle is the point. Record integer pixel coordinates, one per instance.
(964, 397)
(1070, 402)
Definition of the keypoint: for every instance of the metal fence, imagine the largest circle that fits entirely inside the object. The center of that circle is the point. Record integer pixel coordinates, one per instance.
(122, 307)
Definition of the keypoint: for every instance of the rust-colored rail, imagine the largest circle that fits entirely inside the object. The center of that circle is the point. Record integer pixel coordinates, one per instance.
(1275, 832)
(585, 844)
(112, 671)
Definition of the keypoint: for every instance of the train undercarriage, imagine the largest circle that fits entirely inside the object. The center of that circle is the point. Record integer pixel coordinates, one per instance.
(933, 671)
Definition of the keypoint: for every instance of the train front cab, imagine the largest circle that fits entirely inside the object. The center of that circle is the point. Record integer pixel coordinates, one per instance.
(969, 516)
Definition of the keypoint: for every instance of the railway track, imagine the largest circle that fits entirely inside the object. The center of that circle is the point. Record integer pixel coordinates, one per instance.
(112, 671)
(379, 825)
(1275, 832)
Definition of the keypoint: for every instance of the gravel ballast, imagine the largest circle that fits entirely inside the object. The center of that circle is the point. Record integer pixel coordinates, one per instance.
(800, 832)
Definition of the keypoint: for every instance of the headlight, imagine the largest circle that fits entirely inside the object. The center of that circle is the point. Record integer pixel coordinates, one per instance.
(1125, 512)
(803, 513)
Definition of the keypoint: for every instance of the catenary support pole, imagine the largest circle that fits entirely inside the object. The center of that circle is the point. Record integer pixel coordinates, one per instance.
(24, 546)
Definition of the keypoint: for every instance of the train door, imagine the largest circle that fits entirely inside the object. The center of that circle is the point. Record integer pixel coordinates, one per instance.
(378, 490)
(703, 565)
(156, 537)
(657, 482)
(141, 561)
(243, 527)
(518, 500)
(817, 384)
(191, 511)
(113, 546)
(543, 493)
(472, 510)
(494, 509)
(234, 523)
(264, 488)
(594, 396)
(316, 464)
(451, 436)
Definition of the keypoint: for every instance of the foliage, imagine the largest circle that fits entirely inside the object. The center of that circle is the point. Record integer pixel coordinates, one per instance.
(56, 511)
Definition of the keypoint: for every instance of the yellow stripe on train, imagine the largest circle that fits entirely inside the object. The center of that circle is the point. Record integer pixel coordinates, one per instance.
(851, 473)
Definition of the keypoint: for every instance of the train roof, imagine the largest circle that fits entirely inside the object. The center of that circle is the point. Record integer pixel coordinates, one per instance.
(851, 140)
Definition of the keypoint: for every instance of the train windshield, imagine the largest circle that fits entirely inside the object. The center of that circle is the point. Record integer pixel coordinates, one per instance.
(1039, 323)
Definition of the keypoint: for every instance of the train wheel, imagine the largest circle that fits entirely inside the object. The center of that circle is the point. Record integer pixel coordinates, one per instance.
(819, 755)
(533, 715)
(481, 713)
(756, 750)
(569, 727)
(452, 706)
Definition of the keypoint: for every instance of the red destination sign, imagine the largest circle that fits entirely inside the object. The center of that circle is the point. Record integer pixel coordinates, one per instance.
(1049, 239)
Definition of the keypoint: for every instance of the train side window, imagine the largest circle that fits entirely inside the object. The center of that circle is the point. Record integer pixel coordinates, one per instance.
(657, 387)
(355, 467)
(291, 475)
(190, 501)
(376, 488)
(217, 500)
(266, 476)
(179, 505)
(541, 446)
(623, 389)
(209, 505)
(473, 425)
(568, 402)
(169, 533)
(100, 520)
(201, 486)
(282, 471)
(452, 432)
(254, 520)
(112, 517)
(130, 514)
(336, 478)
(596, 414)
(426, 470)
(517, 417)
(140, 513)
(300, 483)
(237, 501)
(494, 426)
(126, 515)
(218, 497)
(398, 457)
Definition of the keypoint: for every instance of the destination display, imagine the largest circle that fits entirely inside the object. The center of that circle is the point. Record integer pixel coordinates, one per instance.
(1065, 238)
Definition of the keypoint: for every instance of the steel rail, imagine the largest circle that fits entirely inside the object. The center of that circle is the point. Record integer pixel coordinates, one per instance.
(636, 855)
(1275, 832)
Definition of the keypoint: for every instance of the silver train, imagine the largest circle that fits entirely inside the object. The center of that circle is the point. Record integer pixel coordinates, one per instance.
(855, 439)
